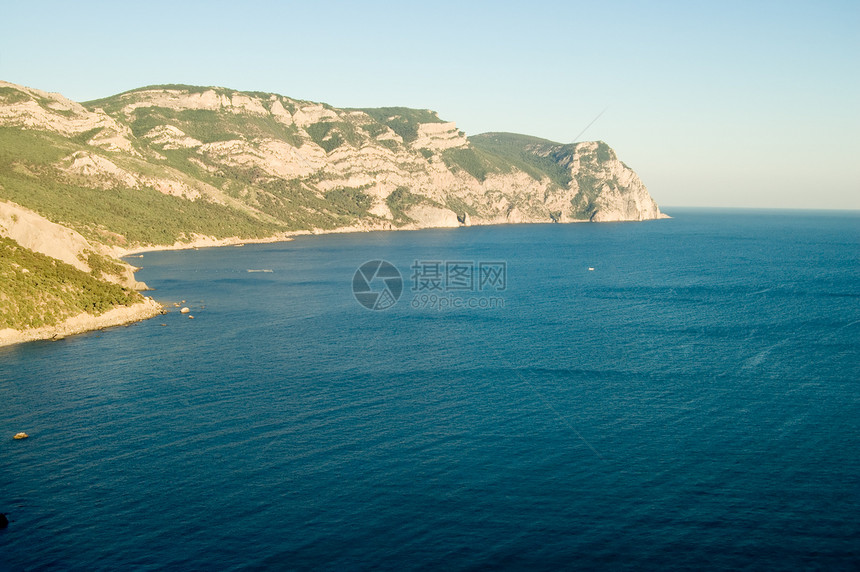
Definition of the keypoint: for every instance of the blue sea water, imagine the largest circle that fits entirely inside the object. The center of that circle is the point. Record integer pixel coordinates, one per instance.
(691, 402)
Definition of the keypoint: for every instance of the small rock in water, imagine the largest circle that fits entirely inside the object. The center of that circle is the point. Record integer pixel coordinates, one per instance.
(21, 435)
(184, 310)
(190, 317)
(4, 522)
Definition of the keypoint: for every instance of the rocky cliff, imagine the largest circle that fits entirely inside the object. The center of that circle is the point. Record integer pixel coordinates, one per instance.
(167, 166)
(253, 164)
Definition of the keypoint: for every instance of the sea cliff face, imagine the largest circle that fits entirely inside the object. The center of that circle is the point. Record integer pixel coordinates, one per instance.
(271, 163)
(168, 166)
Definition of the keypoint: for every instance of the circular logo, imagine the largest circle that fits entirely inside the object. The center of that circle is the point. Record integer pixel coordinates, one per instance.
(377, 285)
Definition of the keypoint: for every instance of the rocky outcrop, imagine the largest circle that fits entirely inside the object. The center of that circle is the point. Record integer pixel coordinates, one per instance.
(35, 109)
(271, 156)
(429, 216)
(610, 189)
(587, 182)
(185, 99)
(439, 136)
(170, 137)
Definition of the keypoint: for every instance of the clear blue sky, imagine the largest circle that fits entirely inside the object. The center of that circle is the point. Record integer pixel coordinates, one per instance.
(718, 103)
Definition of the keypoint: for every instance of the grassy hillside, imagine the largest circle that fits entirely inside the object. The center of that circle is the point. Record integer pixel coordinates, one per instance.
(37, 290)
(402, 120)
(116, 215)
(537, 157)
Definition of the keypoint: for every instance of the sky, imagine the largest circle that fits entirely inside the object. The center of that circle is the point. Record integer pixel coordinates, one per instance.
(717, 103)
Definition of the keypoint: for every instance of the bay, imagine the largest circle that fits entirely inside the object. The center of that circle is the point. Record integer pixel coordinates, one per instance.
(672, 394)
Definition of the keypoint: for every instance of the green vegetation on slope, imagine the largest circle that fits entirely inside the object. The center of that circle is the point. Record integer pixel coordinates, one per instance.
(349, 201)
(589, 189)
(299, 207)
(399, 202)
(332, 134)
(37, 290)
(209, 126)
(402, 120)
(101, 266)
(143, 216)
(12, 95)
(529, 154)
(476, 161)
(460, 206)
(291, 202)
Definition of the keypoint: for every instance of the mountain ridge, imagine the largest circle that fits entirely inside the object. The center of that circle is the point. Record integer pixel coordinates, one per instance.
(172, 165)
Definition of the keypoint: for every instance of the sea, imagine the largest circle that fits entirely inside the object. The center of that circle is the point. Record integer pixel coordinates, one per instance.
(677, 394)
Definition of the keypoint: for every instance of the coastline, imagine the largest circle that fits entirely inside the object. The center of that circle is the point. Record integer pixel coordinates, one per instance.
(118, 316)
(198, 241)
(148, 308)
(211, 242)
(206, 242)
